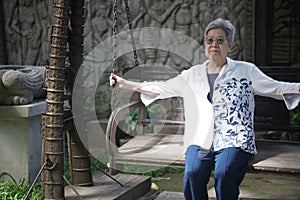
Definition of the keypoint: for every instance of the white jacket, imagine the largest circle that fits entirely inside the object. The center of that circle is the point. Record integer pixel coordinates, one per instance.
(228, 120)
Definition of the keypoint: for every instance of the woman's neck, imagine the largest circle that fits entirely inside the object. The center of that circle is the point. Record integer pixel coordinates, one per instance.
(215, 67)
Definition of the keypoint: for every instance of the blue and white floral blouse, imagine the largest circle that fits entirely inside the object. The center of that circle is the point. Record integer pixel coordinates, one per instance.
(226, 121)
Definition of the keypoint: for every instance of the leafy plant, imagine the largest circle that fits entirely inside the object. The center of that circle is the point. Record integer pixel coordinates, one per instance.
(287, 135)
(295, 117)
(131, 121)
(11, 190)
(152, 171)
(294, 120)
(96, 164)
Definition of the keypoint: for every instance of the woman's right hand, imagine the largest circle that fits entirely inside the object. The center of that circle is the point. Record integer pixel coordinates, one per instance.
(115, 80)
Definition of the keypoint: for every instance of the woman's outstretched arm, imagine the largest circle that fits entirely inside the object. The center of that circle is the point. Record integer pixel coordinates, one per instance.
(117, 81)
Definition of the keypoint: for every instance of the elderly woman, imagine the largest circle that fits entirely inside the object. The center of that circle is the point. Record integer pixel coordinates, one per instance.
(220, 136)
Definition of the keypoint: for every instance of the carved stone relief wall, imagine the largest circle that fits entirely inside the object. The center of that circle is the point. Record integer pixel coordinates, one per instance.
(286, 32)
(2, 38)
(186, 16)
(25, 23)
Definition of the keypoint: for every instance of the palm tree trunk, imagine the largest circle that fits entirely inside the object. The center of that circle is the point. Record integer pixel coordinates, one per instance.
(79, 159)
(53, 119)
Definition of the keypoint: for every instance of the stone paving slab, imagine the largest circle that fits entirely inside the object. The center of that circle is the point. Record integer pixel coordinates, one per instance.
(256, 185)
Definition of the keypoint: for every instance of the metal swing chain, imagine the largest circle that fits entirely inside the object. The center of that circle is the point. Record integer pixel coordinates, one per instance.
(115, 13)
(114, 53)
(131, 33)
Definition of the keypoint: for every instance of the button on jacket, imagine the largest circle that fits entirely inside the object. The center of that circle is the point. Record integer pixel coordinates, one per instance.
(227, 121)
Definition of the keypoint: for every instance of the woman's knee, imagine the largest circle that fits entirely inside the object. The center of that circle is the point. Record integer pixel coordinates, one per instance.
(192, 170)
(198, 173)
(197, 164)
(231, 165)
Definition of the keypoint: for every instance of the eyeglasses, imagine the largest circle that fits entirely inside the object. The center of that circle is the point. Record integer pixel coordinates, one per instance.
(210, 41)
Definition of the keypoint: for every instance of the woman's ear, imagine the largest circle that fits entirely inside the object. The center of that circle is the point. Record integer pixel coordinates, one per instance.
(230, 45)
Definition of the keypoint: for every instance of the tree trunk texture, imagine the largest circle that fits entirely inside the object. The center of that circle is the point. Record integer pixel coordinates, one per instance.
(79, 159)
(53, 120)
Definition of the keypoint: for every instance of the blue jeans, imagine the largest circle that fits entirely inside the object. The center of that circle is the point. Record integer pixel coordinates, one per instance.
(229, 166)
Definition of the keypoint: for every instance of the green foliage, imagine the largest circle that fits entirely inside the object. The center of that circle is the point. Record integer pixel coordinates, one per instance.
(67, 173)
(165, 170)
(96, 164)
(131, 121)
(11, 190)
(294, 120)
(288, 135)
(154, 111)
(152, 171)
(295, 117)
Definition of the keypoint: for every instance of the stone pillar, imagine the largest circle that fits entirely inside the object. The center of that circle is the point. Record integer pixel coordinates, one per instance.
(20, 140)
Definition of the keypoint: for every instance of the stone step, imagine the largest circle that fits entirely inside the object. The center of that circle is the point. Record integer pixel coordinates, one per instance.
(104, 188)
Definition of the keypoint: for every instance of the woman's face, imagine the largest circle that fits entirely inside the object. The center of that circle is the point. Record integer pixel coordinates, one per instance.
(216, 44)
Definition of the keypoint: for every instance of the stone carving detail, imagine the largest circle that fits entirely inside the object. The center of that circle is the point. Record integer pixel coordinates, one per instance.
(26, 22)
(26, 31)
(21, 84)
(186, 16)
(2, 37)
(286, 32)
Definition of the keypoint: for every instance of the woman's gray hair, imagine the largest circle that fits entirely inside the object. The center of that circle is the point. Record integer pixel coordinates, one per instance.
(226, 25)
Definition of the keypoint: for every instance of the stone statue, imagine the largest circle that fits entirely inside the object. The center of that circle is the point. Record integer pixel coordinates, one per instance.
(21, 84)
